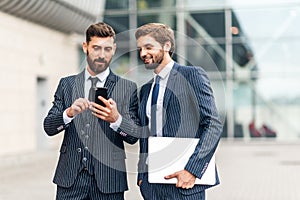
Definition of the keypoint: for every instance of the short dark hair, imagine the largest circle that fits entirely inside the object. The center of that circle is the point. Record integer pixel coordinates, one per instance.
(160, 32)
(100, 29)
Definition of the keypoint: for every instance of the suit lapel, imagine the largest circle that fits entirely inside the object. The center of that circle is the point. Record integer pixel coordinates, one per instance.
(143, 101)
(78, 92)
(110, 83)
(170, 88)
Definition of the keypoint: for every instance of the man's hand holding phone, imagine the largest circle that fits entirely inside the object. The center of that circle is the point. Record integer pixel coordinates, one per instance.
(107, 111)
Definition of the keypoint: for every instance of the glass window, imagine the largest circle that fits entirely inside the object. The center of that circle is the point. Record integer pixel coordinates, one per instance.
(275, 42)
(116, 4)
(146, 4)
(254, 59)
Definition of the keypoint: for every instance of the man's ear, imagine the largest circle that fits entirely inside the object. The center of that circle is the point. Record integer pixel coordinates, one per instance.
(167, 46)
(84, 47)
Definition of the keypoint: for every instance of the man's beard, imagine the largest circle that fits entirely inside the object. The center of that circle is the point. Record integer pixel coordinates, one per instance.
(157, 62)
(94, 65)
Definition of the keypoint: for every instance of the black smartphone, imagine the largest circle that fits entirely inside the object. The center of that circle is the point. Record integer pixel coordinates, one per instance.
(100, 91)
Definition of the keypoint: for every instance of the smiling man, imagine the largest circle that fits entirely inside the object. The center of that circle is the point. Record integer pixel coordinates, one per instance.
(92, 159)
(177, 102)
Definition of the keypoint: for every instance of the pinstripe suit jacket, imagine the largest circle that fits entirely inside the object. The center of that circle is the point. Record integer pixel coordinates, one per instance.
(108, 156)
(189, 111)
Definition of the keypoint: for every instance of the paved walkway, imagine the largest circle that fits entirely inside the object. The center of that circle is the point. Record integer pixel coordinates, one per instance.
(253, 170)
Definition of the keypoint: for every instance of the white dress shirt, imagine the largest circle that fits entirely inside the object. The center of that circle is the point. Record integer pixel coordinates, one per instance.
(164, 74)
(87, 85)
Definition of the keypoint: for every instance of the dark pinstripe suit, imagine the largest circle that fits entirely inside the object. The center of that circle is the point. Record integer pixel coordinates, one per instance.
(189, 111)
(105, 146)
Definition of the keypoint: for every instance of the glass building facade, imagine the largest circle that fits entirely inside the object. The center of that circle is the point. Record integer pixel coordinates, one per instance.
(249, 50)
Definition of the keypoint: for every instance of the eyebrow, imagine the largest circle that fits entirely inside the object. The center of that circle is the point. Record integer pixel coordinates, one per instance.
(95, 45)
(145, 45)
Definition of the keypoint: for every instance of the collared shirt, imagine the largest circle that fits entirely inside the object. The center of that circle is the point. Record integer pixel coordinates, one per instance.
(164, 74)
(87, 85)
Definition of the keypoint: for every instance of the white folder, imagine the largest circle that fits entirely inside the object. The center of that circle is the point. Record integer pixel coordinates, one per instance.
(167, 155)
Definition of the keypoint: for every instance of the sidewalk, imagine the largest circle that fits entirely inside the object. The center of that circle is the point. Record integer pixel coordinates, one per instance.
(258, 170)
(254, 170)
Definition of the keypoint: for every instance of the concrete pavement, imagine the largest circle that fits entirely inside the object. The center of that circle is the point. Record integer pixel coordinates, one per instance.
(249, 170)
(258, 170)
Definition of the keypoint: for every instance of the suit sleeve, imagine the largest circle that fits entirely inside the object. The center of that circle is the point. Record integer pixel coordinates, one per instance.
(210, 127)
(143, 142)
(129, 127)
(53, 122)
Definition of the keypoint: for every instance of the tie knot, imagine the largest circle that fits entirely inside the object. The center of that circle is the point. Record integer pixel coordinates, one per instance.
(94, 81)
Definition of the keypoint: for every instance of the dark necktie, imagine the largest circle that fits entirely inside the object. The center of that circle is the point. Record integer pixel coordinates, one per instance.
(93, 88)
(155, 92)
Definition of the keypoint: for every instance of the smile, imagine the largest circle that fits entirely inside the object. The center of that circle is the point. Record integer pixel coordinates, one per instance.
(147, 61)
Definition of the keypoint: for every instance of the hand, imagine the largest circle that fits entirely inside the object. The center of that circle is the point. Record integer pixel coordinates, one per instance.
(185, 179)
(140, 182)
(77, 107)
(109, 113)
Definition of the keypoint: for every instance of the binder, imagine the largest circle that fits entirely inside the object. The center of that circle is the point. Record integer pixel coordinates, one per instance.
(167, 155)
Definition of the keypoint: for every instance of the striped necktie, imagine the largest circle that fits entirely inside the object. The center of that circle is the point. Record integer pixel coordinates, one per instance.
(92, 91)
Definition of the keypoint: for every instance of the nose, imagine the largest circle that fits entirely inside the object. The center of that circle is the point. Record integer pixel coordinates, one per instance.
(143, 52)
(101, 53)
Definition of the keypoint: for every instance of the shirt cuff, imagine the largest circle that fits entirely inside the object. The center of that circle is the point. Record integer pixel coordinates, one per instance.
(66, 118)
(115, 125)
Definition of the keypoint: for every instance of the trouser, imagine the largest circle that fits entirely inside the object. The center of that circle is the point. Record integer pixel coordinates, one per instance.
(151, 191)
(85, 188)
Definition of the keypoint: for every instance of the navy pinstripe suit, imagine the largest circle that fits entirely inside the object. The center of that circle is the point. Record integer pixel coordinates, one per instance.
(106, 149)
(189, 111)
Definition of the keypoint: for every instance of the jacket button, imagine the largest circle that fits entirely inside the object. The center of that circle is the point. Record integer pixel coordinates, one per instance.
(78, 150)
